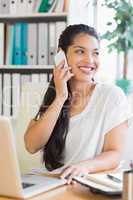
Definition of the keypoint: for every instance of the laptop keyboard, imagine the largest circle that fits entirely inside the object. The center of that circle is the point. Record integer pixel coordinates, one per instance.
(25, 185)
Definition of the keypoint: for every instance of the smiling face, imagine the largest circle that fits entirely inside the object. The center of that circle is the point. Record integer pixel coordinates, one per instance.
(83, 57)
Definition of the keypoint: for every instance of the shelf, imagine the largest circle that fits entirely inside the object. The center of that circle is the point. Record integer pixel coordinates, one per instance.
(26, 69)
(34, 18)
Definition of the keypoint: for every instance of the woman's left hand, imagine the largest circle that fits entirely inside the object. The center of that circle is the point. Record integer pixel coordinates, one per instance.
(74, 170)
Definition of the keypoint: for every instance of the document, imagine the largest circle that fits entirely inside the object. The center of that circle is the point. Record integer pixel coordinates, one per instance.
(107, 183)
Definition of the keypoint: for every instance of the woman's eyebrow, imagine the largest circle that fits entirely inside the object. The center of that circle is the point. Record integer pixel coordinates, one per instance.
(77, 46)
(96, 49)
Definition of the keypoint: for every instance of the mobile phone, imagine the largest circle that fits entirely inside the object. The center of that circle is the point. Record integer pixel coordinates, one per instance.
(59, 57)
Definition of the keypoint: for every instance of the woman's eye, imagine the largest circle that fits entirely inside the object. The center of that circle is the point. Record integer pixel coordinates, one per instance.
(79, 51)
(96, 53)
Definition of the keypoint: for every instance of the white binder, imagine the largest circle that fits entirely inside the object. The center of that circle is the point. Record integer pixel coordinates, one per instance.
(52, 43)
(7, 95)
(2, 43)
(42, 43)
(4, 7)
(59, 27)
(21, 7)
(59, 6)
(13, 6)
(29, 6)
(15, 94)
(43, 78)
(32, 43)
(35, 78)
(24, 78)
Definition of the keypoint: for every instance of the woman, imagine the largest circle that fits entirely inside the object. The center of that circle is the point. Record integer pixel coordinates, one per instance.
(81, 124)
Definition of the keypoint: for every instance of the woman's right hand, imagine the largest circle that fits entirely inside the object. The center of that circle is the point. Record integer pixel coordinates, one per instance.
(61, 76)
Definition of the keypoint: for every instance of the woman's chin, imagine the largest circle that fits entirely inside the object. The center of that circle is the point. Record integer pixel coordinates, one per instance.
(83, 79)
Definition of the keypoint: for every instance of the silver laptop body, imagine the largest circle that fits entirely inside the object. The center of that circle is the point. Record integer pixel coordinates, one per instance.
(11, 182)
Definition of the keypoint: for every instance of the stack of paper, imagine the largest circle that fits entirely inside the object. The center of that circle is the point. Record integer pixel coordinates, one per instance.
(102, 182)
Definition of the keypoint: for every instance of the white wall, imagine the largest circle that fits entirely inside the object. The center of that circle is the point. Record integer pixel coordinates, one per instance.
(81, 11)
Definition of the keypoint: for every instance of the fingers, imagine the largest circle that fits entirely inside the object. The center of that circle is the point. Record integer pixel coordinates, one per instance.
(66, 172)
(73, 174)
(68, 75)
(70, 173)
(65, 73)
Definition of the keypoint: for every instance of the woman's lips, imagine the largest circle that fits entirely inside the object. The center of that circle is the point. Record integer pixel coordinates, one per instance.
(86, 69)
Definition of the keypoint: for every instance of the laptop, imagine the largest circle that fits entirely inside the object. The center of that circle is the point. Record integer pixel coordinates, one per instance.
(12, 184)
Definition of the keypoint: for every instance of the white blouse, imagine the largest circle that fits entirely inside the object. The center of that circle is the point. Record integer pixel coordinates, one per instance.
(106, 109)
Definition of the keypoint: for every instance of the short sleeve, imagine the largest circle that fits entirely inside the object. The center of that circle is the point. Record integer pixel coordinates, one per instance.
(118, 110)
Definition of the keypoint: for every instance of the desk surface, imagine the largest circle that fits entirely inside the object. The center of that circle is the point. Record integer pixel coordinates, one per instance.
(71, 192)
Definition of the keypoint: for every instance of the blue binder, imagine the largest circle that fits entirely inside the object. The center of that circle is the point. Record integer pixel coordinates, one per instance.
(24, 43)
(17, 44)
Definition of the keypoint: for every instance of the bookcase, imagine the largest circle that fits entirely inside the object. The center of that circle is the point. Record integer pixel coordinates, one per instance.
(48, 27)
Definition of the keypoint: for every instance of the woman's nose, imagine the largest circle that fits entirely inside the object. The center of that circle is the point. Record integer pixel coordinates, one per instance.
(89, 58)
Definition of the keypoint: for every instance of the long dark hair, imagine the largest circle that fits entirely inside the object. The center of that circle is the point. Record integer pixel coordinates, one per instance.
(54, 149)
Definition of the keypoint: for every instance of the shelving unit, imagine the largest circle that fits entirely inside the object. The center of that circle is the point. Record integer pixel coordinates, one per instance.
(35, 18)
(26, 69)
(20, 73)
